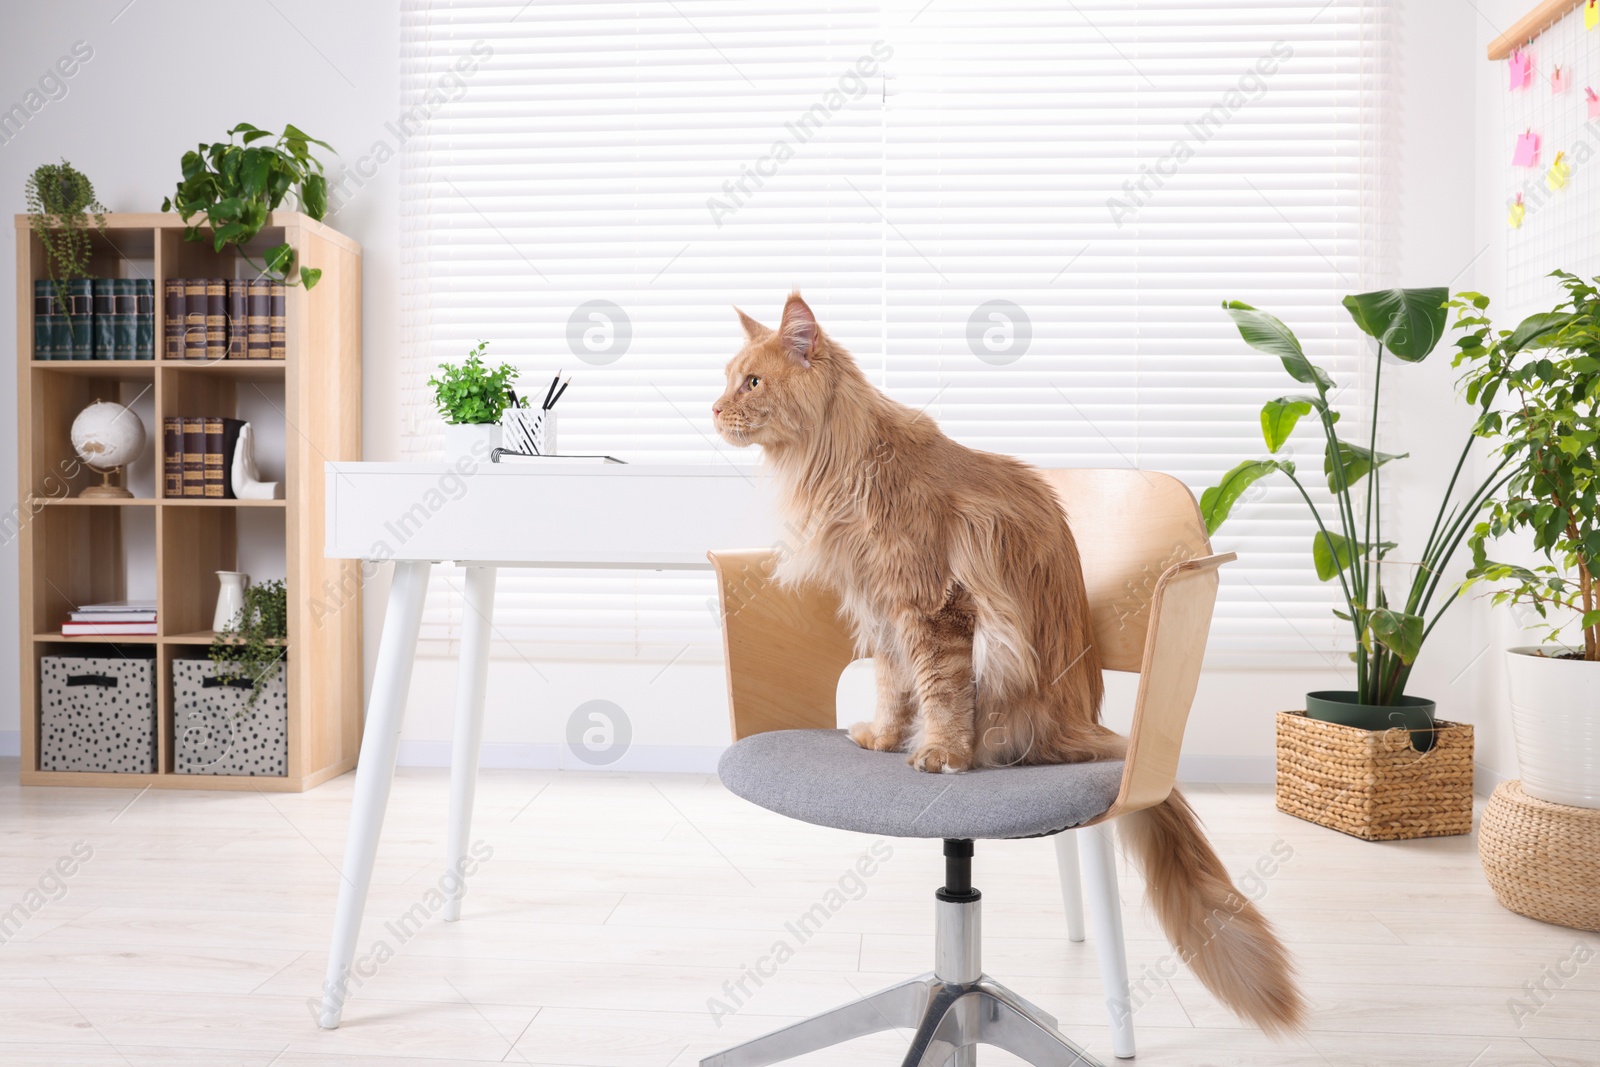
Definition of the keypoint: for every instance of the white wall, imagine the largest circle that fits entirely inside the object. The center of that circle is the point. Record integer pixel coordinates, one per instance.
(147, 95)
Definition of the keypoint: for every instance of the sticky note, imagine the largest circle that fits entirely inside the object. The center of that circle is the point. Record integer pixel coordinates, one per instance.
(1517, 213)
(1560, 80)
(1560, 172)
(1527, 152)
(1591, 14)
(1594, 103)
(1520, 65)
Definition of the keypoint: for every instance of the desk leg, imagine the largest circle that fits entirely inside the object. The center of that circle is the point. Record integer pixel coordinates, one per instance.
(374, 774)
(470, 685)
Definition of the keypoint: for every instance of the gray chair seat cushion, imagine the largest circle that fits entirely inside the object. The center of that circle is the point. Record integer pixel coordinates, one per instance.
(822, 777)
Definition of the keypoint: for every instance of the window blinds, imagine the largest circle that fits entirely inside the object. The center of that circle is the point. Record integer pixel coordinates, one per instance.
(1021, 216)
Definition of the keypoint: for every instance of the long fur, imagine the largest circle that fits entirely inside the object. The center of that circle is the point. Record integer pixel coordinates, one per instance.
(959, 574)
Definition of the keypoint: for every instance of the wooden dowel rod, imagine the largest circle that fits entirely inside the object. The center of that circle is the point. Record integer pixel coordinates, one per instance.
(1530, 26)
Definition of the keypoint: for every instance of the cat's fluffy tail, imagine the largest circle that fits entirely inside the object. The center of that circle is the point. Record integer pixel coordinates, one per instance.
(1223, 938)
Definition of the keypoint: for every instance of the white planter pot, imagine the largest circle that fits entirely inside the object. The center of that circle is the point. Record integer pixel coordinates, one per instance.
(1555, 712)
(471, 441)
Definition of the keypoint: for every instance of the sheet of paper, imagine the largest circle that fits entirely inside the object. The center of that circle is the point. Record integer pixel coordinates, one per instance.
(1591, 14)
(1520, 67)
(1527, 152)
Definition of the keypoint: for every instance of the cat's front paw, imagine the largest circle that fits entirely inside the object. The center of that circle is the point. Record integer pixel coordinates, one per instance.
(867, 736)
(936, 759)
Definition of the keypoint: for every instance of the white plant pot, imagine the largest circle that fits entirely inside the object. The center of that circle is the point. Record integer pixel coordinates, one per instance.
(471, 441)
(1555, 712)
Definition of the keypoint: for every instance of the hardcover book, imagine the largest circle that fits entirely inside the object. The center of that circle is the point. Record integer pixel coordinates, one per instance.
(238, 304)
(279, 321)
(172, 455)
(46, 310)
(194, 456)
(80, 317)
(104, 301)
(124, 318)
(194, 318)
(144, 318)
(216, 319)
(173, 331)
(222, 437)
(258, 318)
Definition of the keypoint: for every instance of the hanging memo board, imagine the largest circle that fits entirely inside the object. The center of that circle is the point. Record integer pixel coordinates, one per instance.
(1558, 227)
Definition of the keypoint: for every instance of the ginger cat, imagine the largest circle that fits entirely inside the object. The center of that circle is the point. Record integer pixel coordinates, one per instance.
(958, 572)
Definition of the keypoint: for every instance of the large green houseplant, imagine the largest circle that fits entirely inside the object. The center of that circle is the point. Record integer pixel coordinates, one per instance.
(1537, 388)
(1349, 545)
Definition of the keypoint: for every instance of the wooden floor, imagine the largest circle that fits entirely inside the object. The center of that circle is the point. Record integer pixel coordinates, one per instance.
(615, 908)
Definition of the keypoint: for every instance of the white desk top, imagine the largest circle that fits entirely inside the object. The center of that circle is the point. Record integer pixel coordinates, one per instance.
(566, 515)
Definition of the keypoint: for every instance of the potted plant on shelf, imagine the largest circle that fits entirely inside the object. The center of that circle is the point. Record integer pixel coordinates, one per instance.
(471, 397)
(235, 185)
(1545, 374)
(251, 651)
(1388, 633)
(61, 208)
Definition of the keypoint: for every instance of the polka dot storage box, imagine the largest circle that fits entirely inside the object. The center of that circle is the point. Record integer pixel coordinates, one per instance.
(219, 731)
(97, 713)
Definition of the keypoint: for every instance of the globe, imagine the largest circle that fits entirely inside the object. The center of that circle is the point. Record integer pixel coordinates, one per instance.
(107, 436)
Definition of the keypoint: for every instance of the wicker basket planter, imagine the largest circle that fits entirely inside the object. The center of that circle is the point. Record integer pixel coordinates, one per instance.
(1372, 784)
(1541, 859)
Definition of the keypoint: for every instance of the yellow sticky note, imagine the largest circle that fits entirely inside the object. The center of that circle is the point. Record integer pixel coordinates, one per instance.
(1517, 214)
(1591, 14)
(1560, 172)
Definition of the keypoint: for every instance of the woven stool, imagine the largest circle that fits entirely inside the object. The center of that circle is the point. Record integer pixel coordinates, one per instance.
(1542, 859)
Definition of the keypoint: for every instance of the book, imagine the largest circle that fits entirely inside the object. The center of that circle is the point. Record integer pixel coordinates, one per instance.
(46, 309)
(172, 332)
(112, 616)
(279, 320)
(216, 319)
(172, 455)
(194, 456)
(108, 629)
(258, 319)
(119, 605)
(124, 318)
(144, 318)
(238, 304)
(194, 318)
(222, 437)
(104, 302)
(80, 318)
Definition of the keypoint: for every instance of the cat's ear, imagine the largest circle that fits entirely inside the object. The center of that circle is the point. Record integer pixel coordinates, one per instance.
(799, 330)
(753, 330)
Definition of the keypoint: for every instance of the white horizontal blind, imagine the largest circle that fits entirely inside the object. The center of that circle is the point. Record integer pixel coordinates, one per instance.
(671, 158)
(1075, 190)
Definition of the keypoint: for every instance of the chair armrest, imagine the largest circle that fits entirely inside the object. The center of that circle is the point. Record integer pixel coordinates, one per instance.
(785, 647)
(1175, 644)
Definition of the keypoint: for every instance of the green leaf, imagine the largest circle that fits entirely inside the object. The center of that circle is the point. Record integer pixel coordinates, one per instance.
(1217, 501)
(1333, 553)
(1407, 322)
(254, 166)
(309, 276)
(1535, 331)
(1399, 632)
(278, 257)
(314, 195)
(1266, 333)
(1278, 419)
(1357, 463)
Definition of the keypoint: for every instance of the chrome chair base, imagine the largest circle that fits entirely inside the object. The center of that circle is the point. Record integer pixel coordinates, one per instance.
(948, 1012)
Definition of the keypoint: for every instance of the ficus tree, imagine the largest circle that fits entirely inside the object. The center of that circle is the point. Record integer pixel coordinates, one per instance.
(1389, 621)
(1537, 388)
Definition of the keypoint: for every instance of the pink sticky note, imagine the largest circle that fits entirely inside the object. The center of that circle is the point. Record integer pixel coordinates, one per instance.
(1521, 69)
(1594, 103)
(1527, 153)
(1560, 80)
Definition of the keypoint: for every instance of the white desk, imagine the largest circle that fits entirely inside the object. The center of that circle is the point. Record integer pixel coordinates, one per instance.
(485, 516)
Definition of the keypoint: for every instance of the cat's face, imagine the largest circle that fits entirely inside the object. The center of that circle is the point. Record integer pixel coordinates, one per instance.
(771, 393)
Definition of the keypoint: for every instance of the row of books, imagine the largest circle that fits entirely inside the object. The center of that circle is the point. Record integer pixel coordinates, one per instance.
(197, 455)
(225, 318)
(113, 618)
(94, 318)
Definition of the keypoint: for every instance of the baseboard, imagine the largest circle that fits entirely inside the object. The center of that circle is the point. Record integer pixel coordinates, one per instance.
(1485, 780)
(678, 759)
(10, 742)
(1227, 770)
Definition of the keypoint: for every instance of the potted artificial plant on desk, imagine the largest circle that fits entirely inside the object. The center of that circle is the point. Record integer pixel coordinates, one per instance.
(471, 397)
(1545, 375)
(1349, 545)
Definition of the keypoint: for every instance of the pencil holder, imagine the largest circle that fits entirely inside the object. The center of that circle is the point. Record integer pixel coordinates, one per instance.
(529, 431)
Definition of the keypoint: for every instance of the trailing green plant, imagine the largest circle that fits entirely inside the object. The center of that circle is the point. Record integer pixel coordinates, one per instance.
(61, 207)
(254, 645)
(1406, 323)
(236, 184)
(1546, 376)
(470, 393)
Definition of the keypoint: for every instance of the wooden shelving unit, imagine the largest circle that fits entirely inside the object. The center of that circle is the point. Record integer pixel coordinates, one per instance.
(75, 550)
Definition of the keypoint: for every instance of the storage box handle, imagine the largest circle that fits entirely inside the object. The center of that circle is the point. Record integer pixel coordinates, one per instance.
(236, 683)
(105, 681)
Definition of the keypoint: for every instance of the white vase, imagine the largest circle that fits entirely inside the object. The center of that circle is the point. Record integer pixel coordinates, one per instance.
(476, 441)
(230, 600)
(1555, 713)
